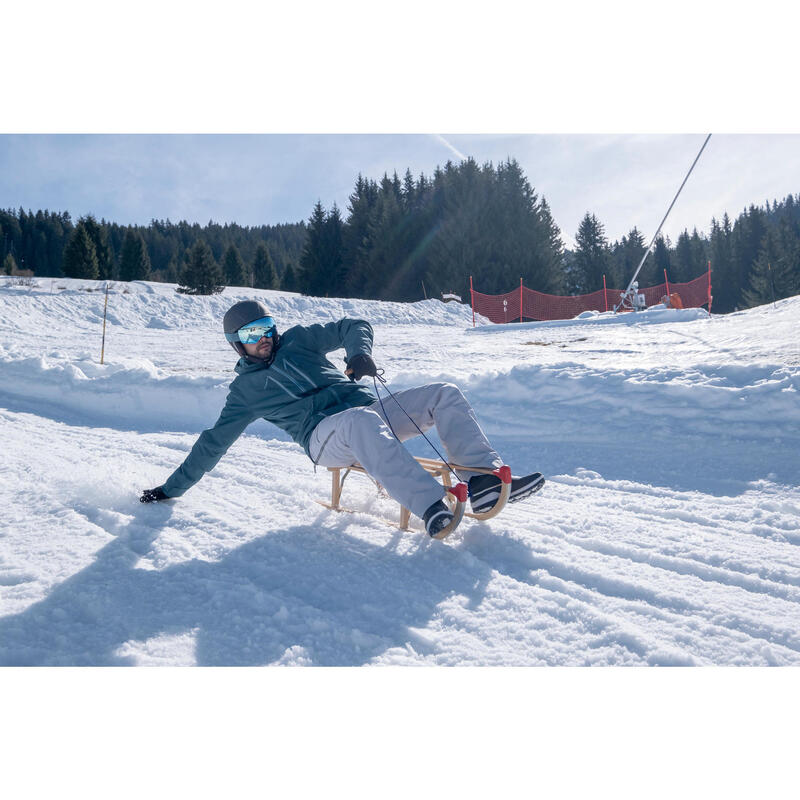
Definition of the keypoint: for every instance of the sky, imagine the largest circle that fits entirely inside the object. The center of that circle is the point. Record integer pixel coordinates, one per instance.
(255, 179)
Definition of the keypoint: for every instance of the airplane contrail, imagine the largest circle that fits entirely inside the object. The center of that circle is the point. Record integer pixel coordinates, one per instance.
(440, 138)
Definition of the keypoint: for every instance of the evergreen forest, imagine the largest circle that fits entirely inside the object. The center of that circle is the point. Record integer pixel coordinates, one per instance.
(411, 238)
(41, 243)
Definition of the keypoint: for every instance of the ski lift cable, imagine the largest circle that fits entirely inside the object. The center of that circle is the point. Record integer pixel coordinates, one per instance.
(653, 241)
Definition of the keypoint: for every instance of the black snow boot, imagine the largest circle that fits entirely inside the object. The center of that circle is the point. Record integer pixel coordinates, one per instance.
(438, 516)
(484, 490)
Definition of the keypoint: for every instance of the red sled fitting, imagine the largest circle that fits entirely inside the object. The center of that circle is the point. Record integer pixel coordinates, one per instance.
(460, 492)
(504, 473)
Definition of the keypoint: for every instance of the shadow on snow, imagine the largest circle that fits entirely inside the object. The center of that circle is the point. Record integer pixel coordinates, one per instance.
(341, 600)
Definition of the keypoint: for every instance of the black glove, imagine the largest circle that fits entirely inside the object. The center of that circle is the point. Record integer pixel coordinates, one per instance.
(359, 366)
(153, 495)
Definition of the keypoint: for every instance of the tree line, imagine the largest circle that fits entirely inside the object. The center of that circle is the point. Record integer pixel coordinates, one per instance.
(49, 244)
(404, 239)
(754, 259)
(413, 238)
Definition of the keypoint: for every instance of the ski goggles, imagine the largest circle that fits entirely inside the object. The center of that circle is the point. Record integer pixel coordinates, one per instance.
(255, 331)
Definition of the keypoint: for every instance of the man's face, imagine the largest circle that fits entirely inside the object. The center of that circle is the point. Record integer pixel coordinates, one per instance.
(258, 337)
(261, 349)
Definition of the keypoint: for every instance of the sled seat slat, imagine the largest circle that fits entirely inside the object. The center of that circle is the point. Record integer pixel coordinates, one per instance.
(439, 470)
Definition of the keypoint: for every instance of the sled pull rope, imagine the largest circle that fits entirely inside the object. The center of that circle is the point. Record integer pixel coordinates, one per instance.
(647, 252)
(379, 377)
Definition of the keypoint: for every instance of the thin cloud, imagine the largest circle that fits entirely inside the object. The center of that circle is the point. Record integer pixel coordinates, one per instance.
(439, 138)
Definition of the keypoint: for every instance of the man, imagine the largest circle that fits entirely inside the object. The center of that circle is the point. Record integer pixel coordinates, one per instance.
(288, 380)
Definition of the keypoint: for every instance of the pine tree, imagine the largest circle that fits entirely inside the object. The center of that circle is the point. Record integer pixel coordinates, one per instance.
(409, 192)
(489, 224)
(774, 274)
(661, 259)
(684, 256)
(334, 250)
(289, 282)
(39, 261)
(322, 260)
(699, 256)
(550, 252)
(626, 255)
(9, 265)
(264, 274)
(312, 260)
(80, 258)
(172, 273)
(202, 274)
(134, 263)
(749, 232)
(592, 258)
(356, 241)
(382, 266)
(724, 290)
(634, 250)
(234, 268)
(100, 241)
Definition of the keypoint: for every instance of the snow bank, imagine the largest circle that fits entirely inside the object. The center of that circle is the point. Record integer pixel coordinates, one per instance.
(652, 316)
(152, 332)
(136, 397)
(141, 304)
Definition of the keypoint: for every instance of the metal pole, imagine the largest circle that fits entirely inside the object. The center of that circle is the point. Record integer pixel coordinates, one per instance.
(103, 348)
(666, 281)
(647, 252)
(520, 299)
(472, 300)
(605, 291)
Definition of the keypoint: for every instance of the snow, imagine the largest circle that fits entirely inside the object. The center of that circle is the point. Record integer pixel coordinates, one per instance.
(650, 316)
(668, 532)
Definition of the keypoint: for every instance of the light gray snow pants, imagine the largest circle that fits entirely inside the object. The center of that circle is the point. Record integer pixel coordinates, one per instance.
(362, 435)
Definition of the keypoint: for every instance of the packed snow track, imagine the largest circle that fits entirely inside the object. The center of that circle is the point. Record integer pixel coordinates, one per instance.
(668, 532)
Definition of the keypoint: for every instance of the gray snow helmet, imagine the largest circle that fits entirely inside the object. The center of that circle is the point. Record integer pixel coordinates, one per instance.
(243, 313)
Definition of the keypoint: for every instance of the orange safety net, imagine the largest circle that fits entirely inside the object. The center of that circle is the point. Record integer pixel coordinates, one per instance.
(524, 303)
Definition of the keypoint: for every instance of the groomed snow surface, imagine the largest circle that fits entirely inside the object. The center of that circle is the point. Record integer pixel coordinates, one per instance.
(668, 532)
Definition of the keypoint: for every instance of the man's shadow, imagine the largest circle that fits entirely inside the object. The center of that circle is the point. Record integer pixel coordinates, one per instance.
(307, 594)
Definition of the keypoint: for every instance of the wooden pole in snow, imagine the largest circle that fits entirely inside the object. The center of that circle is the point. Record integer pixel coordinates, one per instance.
(105, 308)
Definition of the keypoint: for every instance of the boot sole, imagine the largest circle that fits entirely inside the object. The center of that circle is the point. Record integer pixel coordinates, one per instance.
(521, 495)
(527, 492)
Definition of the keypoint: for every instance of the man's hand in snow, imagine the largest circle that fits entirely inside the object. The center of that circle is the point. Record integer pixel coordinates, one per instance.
(153, 495)
(359, 366)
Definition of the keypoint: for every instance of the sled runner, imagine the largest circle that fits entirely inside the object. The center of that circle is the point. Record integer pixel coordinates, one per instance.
(455, 496)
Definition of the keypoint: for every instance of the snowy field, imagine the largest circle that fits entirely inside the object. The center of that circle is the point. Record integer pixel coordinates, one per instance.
(668, 532)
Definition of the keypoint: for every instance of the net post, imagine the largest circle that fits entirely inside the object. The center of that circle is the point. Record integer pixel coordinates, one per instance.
(709, 287)
(472, 300)
(520, 299)
(605, 291)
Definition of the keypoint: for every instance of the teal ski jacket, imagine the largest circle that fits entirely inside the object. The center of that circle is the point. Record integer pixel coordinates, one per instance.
(296, 391)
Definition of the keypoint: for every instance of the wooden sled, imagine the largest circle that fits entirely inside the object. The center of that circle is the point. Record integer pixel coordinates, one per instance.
(455, 496)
